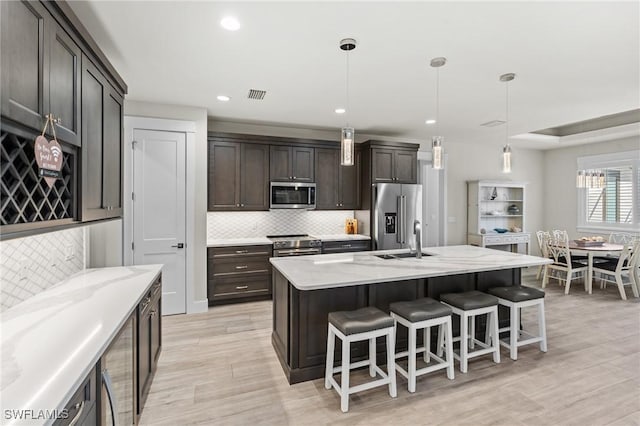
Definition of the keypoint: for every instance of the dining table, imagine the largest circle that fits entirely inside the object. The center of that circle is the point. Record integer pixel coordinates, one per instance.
(590, 251)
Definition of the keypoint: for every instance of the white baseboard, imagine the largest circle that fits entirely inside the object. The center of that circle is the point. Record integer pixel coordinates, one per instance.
(198, 306)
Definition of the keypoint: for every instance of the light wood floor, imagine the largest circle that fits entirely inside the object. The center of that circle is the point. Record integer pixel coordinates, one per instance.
(218, 368)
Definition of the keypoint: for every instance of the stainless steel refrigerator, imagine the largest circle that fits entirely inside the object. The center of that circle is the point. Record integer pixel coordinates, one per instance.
(395, 208)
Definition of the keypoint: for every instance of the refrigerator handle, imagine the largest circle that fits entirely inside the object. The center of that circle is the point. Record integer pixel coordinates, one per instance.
(403, 216)
(399, 219)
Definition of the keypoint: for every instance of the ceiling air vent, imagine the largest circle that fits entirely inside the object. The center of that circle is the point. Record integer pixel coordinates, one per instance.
(493, 123)
(257, 94)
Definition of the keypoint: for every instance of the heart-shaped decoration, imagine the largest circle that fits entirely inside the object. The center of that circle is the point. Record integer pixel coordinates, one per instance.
(49, 158)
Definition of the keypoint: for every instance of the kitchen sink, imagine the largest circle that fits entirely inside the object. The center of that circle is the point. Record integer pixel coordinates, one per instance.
(399, 255)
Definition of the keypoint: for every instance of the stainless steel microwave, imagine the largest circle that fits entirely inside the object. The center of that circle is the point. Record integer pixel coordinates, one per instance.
(293, 195)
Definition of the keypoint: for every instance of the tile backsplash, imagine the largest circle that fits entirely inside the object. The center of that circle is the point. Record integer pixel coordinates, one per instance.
(30, 265)
(260, 224)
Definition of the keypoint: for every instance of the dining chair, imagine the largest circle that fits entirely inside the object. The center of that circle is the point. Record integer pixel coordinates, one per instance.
(625, 266)
(622, 238)
(542, 237)
(558, 248)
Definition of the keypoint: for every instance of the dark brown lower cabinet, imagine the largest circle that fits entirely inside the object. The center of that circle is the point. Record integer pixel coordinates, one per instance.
(81, 408)
(149, 341)
(238, 272)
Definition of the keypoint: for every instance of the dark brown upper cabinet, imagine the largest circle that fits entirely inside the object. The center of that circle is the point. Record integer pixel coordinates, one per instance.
(291, 164)
(394, 165)
(336, 185)
(102, 117)
(238, 176)
(40, 70)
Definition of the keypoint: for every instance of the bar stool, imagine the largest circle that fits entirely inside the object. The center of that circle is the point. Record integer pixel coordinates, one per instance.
(515, 298)
(423, 314)
(467, 306)
(354, 326)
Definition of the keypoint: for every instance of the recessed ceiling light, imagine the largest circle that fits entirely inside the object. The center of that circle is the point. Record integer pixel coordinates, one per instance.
(230, 23)
(340, 110)
(223, 98)
(430, 121)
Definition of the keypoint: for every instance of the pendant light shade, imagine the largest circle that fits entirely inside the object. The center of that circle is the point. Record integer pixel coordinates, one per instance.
(347, 138)
(506, 159)
(506, 150)
(436, 152)
(591, 179)
(347, 146)
(436, 141)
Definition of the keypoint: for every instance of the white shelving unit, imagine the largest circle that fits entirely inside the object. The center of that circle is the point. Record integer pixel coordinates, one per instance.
(497, 204)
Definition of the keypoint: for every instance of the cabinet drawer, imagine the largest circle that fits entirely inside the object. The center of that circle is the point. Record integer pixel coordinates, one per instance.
(239, 287)
(345, 246)
(224, 268)
(239, 251)
(81, 408)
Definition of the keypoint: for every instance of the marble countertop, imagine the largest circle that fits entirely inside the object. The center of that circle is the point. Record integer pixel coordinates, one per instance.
(347, 269)
(225, 242)
(51, 341)
(342, 237)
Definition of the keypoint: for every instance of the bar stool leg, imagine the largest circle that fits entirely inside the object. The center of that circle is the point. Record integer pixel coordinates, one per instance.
(440, 347)
(391, 363)
(464, 322)
(472, 332)
(427, 343)
(372, 357)
(344, 375)
(542, 328)
(450, 373)
(496, 336)
(514, 331)
(412, 359)
(328, 372)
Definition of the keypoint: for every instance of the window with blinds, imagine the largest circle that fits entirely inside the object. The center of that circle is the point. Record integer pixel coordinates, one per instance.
(612, 204)
(617, 204)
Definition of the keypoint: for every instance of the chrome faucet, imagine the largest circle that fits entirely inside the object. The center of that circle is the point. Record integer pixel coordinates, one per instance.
(417, 231)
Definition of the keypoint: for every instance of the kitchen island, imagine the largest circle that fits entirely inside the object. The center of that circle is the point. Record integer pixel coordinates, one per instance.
(307, 288)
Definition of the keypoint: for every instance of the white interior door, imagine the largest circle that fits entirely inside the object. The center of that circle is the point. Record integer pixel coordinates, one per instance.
(159, 223)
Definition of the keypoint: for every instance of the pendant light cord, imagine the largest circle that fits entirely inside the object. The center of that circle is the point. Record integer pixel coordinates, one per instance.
(438, 101)
(506, 139)
(348, 110)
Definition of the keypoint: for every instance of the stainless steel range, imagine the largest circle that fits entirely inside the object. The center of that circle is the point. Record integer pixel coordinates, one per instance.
(295, 245)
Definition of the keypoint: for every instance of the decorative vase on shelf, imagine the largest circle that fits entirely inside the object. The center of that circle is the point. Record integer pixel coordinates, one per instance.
(494, 194)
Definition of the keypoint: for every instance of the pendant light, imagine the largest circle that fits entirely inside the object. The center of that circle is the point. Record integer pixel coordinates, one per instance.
(506, 150)
(347, 138)
(436, 141)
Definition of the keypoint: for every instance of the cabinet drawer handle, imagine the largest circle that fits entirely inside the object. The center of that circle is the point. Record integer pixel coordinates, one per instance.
(242, 251)
(153, 313)
(242, 267)
(346, 246)
(80, 407)
(242, 287)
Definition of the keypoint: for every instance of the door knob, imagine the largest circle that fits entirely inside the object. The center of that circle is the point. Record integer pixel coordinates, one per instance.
(179, 245)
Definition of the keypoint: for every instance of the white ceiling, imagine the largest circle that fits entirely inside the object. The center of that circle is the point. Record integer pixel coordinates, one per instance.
(573, 60)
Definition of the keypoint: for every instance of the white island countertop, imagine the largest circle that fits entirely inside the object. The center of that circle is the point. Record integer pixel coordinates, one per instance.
(51, 341)
(348, 269)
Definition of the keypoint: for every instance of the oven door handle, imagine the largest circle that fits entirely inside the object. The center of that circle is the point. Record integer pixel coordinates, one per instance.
(295, 252)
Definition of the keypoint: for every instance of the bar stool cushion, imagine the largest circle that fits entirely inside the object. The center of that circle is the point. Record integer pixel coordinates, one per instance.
(469, 300)
(420, 309)
(516, 293)
(360, 320)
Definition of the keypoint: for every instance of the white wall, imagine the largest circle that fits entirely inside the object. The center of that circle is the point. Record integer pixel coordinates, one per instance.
(197, 161)
(104, 244)
(481, 161)
(560, 168)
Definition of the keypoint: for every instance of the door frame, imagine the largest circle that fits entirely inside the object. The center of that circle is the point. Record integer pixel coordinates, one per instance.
(132, 123)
